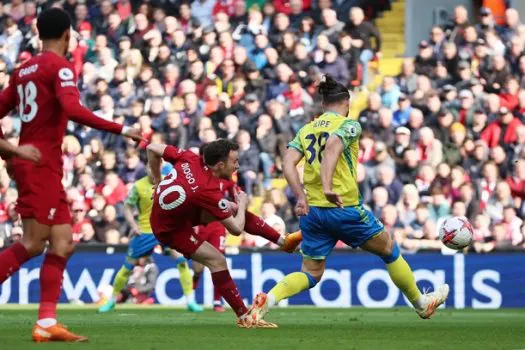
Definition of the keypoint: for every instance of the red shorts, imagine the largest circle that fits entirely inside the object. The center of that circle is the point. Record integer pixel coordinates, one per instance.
(183, 239)
(213, 233)
(41, 195)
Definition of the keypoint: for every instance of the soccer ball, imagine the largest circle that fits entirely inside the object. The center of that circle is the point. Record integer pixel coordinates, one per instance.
(456, 232)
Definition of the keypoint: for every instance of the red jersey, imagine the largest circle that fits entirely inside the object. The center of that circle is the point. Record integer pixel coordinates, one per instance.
(189, 189)
(37, 89)
(44, 91)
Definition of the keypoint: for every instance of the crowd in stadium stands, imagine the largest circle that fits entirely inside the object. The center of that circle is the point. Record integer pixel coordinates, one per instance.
(442, 138)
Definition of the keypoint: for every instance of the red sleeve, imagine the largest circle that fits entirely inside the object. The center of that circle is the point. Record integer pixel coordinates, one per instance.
(78, 113)
(8, 98)
(69, 97)
(173, 154)
(230, 186)
(215, 204)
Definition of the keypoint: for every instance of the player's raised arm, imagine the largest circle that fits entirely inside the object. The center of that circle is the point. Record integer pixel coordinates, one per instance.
(78, 113)
(155, 152)
(69, 98)
(333, 150)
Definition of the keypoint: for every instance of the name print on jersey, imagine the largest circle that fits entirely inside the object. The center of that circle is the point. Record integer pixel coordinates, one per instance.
(189, 175)
(28, 70)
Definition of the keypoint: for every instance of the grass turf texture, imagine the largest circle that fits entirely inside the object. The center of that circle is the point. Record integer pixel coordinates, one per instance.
(146, 328)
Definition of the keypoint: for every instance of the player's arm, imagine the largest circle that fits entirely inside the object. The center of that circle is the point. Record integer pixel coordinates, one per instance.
(333, 150)
(155, 152)
(335, 145)
(293, 155)
(27, 152)
(80, 114)
(131, 203)
(7, 150)
(235, 224)
(69, 98)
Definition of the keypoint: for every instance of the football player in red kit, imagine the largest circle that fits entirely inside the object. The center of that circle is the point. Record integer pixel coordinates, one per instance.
(215, 234)
(191, 195)
(44, 90)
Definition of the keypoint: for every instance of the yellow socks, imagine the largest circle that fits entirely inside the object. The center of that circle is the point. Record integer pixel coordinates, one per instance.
(120, 280)
(403, 278)
(292, 284)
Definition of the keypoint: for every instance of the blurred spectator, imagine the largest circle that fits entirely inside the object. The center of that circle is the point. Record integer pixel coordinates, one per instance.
(438, 206)
(248, 161)
(449, 126)
(502, 131)
(109, 223)
(401, 115)
(83, 231)
(361, 32)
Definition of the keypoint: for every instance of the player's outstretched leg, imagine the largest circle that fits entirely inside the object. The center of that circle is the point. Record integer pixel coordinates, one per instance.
(255, 225)
(210, 257)
(403, 277)
(290, 285)
(121, 279)
(51, 274)
(186, 282)
(217, 301)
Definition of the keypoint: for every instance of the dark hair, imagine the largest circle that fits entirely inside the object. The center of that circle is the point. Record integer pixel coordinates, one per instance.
(52, 23)
(332, 91)
(218, 151)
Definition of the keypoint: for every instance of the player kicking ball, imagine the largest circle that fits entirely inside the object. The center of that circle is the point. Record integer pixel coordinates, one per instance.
(144, 242)
(332, 208)
(191, 195)
(44, 89)
(215, 234)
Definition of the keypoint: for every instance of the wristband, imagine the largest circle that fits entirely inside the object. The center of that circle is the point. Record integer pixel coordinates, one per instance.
(125, 130)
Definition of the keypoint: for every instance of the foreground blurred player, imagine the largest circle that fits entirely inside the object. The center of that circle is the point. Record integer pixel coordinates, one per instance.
(144, 242)
(193, 194)
(44, 90)
(332, 209)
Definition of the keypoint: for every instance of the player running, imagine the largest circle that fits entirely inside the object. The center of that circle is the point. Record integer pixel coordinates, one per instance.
(143, 242)
(332, 209)
(193, 194)
(44, 89)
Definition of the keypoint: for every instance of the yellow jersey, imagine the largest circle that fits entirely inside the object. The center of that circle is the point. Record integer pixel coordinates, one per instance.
(311, 140)
(140, 196)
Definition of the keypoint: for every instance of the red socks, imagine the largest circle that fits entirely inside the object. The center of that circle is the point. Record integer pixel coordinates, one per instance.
(227, 288)
(196, 278)
(11, 259)
(51, 275)
(256, 226)
(216, 296)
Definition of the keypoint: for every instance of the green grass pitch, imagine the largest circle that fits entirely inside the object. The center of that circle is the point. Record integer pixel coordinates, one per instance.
(155, 328)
